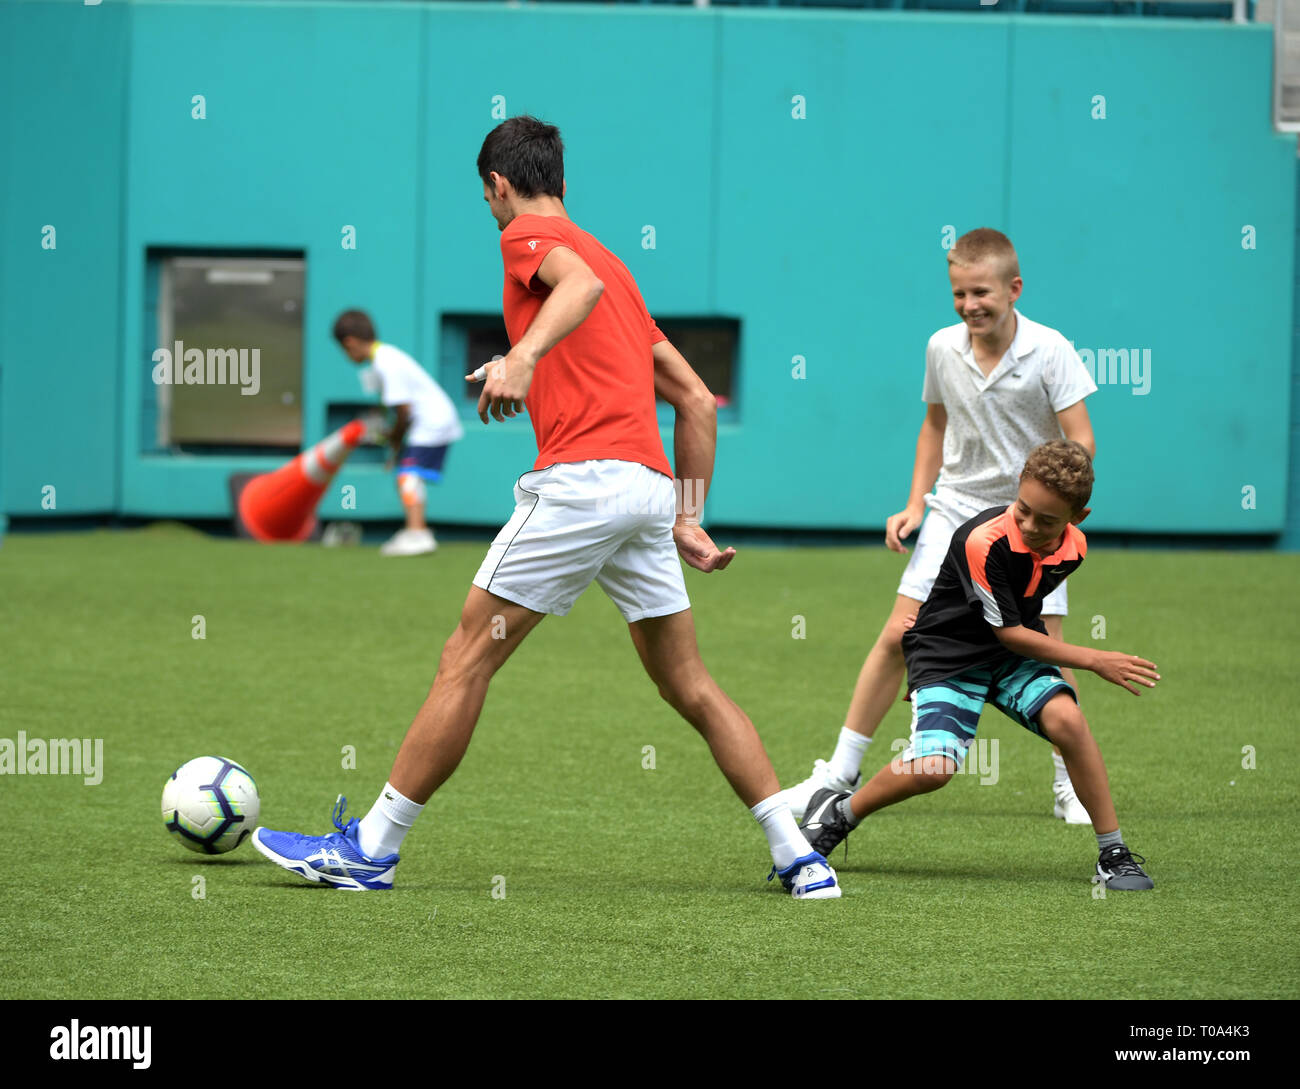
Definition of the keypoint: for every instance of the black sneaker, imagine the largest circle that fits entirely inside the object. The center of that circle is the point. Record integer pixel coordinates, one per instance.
(823, 825)
(1118, 867)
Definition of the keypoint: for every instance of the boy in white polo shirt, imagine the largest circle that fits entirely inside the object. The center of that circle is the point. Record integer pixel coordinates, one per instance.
(997, 385)
(426, 425)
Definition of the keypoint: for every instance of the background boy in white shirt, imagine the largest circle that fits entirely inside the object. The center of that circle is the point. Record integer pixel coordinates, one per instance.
(426, 424)
(997, 385)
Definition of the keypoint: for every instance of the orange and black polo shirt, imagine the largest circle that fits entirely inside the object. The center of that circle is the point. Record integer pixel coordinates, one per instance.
(989, 579)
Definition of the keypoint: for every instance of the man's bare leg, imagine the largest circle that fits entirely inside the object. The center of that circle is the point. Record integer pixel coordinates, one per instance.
(490, 629)
(668, 650)
(671, 657)
(367, 853)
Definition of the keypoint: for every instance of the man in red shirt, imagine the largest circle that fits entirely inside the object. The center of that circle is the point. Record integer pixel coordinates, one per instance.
(598, 505)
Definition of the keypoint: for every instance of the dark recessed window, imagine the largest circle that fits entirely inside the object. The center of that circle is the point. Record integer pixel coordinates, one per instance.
(709, 345)
(467, 342)
(484, 346)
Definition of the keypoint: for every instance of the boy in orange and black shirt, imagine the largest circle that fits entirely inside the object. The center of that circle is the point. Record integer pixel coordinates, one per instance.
(979, 639)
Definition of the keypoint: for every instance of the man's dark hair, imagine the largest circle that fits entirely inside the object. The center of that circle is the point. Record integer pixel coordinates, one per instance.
(353, 323)
(527, 152)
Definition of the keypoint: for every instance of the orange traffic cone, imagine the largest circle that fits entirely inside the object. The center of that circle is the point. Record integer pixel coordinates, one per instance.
(281, 505)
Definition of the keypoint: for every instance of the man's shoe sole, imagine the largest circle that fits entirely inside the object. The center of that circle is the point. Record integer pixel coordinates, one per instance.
(1117, 884)
(833, 893)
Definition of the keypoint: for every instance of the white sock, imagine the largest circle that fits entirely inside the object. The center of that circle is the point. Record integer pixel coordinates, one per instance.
(382, 830)
(783, 836)
(1062, 776)
(849, 750)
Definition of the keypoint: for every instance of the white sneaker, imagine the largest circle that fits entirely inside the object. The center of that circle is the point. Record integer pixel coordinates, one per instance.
(409, 542)
(797, 797)
(1068, 808)
(809, 878)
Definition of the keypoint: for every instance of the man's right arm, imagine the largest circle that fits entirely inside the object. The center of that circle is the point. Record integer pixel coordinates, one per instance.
(925, 471)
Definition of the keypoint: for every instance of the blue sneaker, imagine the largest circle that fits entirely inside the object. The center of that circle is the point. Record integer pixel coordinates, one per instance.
(334, 859)
(809, 877)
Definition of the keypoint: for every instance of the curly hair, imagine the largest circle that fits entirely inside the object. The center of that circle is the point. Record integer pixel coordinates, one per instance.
(1064, 467)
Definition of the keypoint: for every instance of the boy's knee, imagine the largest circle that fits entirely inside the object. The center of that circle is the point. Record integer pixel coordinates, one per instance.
(1062, 720)
(927, 773)
(938, 771)
(412, 489)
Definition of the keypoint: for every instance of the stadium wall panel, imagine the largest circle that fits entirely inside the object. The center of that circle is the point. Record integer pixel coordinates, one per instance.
(823, 234)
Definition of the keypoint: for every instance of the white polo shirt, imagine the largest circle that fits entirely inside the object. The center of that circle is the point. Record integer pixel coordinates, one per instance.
(994, 422)
(400, 380)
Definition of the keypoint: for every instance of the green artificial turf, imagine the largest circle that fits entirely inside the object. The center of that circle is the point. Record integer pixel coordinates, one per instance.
(621, 881)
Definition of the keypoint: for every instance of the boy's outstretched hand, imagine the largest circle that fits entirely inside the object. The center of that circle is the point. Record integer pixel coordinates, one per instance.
(1125, 670)
(698, 549)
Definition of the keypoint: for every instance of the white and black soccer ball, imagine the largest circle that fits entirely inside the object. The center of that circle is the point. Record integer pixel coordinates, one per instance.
(210, 804)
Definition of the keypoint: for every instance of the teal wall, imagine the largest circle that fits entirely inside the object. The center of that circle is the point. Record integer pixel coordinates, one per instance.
(822, 236)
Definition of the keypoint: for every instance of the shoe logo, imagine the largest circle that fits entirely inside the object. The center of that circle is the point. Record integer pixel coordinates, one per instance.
(815, 821)
(328, 860)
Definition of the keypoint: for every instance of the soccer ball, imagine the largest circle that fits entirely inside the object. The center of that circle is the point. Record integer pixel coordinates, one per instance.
(210, 804)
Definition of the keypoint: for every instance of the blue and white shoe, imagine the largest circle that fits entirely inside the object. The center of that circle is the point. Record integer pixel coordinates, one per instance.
(809, 877)
(334, 859)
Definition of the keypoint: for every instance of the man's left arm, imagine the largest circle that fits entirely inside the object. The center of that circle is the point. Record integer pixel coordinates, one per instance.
(695, 440)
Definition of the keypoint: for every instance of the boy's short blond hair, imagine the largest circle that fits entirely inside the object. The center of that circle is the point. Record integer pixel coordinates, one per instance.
(1062, 466)
(986, 244)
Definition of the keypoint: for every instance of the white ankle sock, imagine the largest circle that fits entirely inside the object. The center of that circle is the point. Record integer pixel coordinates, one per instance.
(783, 836)
(382, 830)
(1062, 776)
(849, 749)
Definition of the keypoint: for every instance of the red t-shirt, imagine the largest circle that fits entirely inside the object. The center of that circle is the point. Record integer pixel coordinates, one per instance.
(593, 394)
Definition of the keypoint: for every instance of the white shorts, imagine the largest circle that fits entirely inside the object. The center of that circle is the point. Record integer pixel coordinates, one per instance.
(611, 521)
(943, 519)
